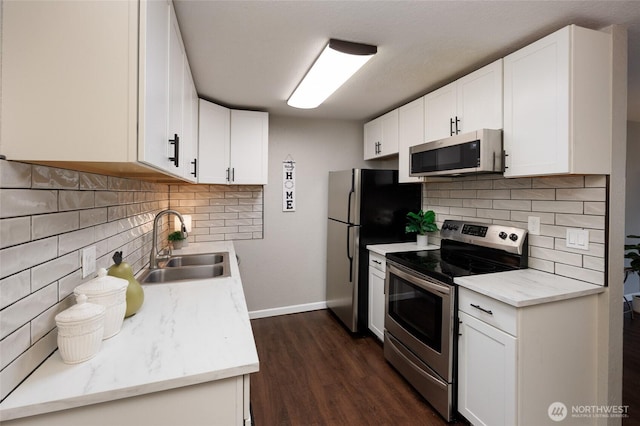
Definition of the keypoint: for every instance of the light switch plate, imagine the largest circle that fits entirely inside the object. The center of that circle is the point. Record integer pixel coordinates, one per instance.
(578, 238)
(534, 225)
(88, 261)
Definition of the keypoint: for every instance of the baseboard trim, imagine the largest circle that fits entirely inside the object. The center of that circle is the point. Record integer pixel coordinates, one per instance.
(293, 309)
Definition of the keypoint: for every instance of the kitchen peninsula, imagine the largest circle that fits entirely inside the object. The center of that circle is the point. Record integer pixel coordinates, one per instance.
(190, 345)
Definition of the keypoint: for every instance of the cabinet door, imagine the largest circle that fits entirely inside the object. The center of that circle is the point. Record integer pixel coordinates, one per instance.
(69, 81)
(536, 107)
(154, 67)
(479, 103)
(176, 99)
(376, 302)
(439, 110)
(389, 145)
(249, 147)
(213, 142)
(372, 138)
(486, 373)
(189, 144)
(410, 133)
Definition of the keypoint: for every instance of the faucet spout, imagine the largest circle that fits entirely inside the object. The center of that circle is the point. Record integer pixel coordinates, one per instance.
(155, 256)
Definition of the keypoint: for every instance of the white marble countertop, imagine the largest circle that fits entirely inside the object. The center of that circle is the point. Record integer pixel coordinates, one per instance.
(383, 249)
(526, 287)
(185, 333)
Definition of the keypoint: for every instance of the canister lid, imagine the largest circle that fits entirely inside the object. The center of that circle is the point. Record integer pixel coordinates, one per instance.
(80, 312)
(102, 285)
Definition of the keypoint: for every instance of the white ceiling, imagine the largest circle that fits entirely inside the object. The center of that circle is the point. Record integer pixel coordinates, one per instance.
(252, 54)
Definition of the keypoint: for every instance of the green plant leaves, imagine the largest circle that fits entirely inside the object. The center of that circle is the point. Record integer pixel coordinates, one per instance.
(421, 222)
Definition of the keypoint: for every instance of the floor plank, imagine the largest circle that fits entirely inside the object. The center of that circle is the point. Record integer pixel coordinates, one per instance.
(313, 372)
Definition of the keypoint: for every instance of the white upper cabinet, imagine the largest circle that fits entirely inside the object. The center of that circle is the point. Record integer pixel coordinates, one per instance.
(214, 139)
(249, 147)
(96, 82)
(410, 133)
(470, 103)
(381, 136)
(232, 145)
(557, 100)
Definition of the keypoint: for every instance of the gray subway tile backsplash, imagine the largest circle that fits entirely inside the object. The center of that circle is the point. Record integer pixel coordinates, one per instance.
(561, 202)
(48, 215)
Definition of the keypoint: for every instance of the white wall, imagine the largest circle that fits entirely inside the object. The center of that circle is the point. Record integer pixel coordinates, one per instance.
(632, 214)
(286, 269)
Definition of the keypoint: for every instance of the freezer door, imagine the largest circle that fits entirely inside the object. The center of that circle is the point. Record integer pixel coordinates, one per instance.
(344, 197)
(342, 272)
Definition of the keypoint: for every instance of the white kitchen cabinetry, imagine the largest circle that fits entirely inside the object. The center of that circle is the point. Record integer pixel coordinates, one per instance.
(220, 402)
(410, 133)
(377, 270)
(513, 363)
(470, 103)
(557, 99)
(95, 83)
(381, 136)
(232, 145)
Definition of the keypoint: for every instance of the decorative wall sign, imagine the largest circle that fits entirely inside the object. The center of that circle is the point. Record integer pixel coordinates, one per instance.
(288, 185)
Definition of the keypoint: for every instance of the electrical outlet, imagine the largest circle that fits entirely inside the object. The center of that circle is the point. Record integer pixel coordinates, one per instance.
(88, 261)
(534, 225)
(578, 238)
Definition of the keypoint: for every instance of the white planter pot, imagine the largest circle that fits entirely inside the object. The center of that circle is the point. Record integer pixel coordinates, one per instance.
(422, 240)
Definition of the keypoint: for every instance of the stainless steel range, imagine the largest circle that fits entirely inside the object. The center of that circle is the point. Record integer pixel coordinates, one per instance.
(421, 319)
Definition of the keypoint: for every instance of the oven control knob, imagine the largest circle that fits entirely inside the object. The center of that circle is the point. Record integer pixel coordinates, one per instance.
(503, 235)
(513, 237)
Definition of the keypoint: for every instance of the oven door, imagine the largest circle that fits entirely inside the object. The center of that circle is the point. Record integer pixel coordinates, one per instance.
(419, 313)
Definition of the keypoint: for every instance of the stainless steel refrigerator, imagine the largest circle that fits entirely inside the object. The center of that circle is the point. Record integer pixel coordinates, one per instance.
(365, 207)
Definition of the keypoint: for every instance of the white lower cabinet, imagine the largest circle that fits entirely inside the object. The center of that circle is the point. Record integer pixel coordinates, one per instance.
(487, 373)
(221, 402)
(377, 269)
(514, 363)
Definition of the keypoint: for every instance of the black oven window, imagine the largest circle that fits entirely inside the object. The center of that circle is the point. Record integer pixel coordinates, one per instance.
(417, 311)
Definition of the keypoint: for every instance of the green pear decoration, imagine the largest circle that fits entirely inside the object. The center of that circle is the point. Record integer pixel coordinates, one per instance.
(135, 294)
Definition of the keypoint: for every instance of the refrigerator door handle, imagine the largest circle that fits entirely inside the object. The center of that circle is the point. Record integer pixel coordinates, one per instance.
(351, 192)
(349, 256)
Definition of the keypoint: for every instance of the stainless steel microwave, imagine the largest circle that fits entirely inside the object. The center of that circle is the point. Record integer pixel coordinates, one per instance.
(473, 152)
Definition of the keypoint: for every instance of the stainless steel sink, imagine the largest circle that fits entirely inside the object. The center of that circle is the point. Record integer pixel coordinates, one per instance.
(189, 267)
(196, 259)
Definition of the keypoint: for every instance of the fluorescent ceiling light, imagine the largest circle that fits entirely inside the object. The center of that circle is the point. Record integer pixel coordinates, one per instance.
(336, 64)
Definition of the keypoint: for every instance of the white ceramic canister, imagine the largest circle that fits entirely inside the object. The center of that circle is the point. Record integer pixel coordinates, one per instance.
(110, 292)
(80, 330)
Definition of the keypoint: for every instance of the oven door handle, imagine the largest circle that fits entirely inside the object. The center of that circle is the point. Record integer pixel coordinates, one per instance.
(422, 282)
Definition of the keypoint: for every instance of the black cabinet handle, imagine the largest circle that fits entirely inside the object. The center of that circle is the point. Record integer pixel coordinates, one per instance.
(195, 167)
(451, 127)
(233, 174)
(457, 122)
(488, 311)
(228, 173)
(176, 150)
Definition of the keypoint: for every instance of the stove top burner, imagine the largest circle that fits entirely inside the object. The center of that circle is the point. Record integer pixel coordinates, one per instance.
(458, 260)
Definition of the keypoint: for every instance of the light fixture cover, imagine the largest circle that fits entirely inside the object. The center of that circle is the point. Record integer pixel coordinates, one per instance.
(336, 64)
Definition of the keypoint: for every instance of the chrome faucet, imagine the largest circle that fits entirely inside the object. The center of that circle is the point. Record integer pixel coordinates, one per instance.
(156, 256)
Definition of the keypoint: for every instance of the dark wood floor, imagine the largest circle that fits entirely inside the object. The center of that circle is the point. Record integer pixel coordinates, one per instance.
(631, 370)
(312, 372)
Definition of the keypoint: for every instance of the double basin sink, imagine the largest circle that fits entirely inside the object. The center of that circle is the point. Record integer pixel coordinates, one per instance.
(189, 267)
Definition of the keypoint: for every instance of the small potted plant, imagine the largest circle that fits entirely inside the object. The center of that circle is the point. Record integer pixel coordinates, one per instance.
(634, 266)
(421, 223)
(176, 239)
